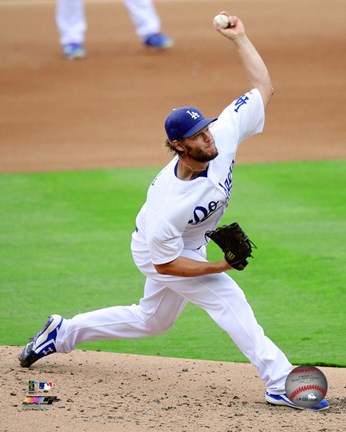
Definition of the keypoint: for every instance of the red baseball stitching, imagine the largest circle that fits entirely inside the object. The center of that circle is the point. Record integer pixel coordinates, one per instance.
(308, 387)
(305, 370)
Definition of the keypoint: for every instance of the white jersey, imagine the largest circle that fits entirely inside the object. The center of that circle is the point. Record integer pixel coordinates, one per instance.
(177, 213)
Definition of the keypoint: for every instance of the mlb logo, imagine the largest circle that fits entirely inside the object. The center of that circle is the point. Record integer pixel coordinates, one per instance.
(45, 386)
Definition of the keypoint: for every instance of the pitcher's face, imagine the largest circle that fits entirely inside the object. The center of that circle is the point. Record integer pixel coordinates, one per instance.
(201, 146)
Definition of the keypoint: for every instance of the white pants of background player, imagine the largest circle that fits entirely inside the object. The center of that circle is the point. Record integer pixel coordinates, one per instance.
(164, 299)
(72, 23)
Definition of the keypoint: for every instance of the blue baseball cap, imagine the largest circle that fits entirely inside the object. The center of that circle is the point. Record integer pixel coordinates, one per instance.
(184, 122)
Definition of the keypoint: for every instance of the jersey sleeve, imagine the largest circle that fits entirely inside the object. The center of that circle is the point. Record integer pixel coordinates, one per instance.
(244, 117)
(164, 242)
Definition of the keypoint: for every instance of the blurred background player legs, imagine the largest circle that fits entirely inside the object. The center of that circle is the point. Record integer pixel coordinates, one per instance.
(72, 25)
(148, 24)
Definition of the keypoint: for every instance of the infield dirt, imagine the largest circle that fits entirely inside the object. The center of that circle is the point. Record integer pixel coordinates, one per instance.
(107, 111)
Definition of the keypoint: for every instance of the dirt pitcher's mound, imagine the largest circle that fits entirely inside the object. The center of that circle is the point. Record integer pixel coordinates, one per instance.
(100, 391)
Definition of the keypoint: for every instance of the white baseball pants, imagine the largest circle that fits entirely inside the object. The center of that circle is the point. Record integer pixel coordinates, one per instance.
(72, 24)
(164, 299)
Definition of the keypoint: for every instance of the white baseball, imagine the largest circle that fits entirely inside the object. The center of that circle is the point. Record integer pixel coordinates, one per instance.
(306, 386)
(221, 20)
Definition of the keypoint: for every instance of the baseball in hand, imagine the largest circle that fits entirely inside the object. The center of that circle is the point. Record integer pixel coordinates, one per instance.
(221, 20)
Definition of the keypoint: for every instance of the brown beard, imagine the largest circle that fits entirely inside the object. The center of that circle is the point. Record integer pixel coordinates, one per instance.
(200, 155)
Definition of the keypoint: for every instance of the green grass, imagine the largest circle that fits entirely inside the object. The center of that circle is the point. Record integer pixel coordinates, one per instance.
(65, 248)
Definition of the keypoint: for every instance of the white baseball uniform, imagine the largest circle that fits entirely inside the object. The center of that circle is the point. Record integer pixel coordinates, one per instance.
(72, 24)
(172, 223)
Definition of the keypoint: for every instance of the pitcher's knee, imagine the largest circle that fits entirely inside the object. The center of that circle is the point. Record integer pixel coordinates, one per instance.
(157, 326)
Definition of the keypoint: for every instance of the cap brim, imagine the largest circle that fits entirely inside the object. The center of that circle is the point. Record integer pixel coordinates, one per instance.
(199, 126)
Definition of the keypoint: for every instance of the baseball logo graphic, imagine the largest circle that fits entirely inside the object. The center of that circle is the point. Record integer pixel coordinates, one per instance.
(306, 386)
